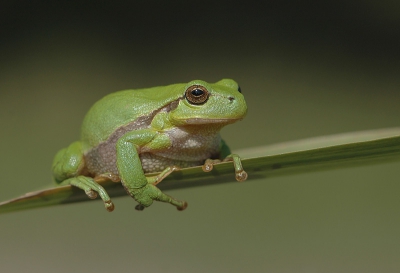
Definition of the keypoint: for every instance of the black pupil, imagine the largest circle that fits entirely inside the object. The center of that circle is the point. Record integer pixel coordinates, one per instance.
(197, 92)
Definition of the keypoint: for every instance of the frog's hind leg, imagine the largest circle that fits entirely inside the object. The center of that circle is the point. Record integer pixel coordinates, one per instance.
(91, 189)
(68, 169)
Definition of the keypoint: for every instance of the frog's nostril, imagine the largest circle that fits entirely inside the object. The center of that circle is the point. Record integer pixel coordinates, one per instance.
(231, 98)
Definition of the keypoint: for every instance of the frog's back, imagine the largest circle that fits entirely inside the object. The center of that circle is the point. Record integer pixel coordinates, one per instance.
(121, 108)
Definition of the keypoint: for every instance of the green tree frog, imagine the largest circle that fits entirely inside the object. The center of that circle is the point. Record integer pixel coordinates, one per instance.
(129, 134)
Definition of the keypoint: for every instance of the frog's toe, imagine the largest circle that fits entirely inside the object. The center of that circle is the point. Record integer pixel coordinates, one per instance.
(154, 180)
(139, 207)
(109, 205)
(183, 207)
(180, 205)
(91, 193)
(145, 196)
(209, 164)
(240, 174)
(92, 189)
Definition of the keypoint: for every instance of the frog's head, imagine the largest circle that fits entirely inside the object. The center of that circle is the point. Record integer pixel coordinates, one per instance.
(205, 103)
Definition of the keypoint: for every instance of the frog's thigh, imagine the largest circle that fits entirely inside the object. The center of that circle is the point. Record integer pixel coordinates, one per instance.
(68, 162)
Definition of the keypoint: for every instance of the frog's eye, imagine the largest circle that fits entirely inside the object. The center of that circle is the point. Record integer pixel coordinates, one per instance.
(239, 89)
(196, 94)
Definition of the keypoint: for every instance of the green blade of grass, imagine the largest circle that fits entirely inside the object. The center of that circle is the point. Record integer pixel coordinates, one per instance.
(315, 154)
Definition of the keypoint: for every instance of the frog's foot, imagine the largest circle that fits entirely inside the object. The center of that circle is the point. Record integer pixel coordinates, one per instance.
(145, 196)
(91, 189)
(240, 174)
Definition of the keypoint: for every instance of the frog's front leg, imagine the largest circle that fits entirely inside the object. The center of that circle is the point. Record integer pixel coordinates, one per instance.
(143, 189)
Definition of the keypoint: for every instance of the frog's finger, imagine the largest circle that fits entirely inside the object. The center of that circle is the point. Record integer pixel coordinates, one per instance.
(91, 189)
(158, 178)
(241, 175)
(180, 205)
(209, 164)
(145, 196)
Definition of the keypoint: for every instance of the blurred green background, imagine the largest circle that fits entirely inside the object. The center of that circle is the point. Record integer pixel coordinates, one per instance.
(306, 69)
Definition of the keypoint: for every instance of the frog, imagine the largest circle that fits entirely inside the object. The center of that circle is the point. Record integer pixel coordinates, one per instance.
(139, 136)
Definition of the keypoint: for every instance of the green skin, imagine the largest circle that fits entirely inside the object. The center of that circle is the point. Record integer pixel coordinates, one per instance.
(130, 133)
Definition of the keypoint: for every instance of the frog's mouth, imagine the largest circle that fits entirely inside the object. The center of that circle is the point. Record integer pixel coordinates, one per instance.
(193, 121)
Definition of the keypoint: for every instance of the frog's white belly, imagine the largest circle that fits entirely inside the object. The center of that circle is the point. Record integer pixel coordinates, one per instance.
(186, 150)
